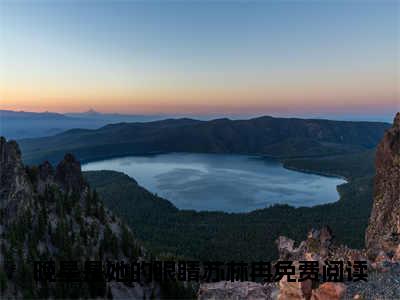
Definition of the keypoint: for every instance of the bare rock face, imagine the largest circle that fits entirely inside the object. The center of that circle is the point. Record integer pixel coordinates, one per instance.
(34, 200)
(235, 290)
(382, 244)
(317, 246)
(69, 174)
(383, 232)
(287, 250)
(14, 186)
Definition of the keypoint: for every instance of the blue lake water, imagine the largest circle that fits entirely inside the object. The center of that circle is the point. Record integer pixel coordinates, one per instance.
(231, 183)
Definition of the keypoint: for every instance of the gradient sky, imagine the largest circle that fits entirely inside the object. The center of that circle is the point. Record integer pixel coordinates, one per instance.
(200, 57)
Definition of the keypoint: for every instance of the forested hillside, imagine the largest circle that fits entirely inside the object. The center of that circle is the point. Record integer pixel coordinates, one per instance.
(276, 137)
(243, 236)
(51, 215)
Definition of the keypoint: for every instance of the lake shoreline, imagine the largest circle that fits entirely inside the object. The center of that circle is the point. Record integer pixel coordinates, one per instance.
(261, 157)
(308, 171)
(233, 183)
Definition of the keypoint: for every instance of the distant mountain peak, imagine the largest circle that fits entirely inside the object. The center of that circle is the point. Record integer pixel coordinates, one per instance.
(91, 111)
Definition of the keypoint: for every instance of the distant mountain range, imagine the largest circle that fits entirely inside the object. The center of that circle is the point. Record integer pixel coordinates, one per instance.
(275, 137)
(30, 115)
(21, 124)
(115, 117)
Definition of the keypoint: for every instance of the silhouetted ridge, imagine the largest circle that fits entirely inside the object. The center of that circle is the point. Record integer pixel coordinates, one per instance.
(275, 137)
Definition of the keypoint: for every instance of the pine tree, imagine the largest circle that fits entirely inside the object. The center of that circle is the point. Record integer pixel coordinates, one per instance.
(102, 214)
(42, 222)
(25, 279)
(109, 294)
(88, 203)
(49, 229)
(3, 282)
(95, 197)
(126, 241)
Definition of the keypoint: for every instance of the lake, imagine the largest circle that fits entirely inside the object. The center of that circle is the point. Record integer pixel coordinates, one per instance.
(219, 182)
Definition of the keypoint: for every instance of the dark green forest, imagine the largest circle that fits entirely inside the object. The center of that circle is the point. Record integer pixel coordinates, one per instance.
(56, 225)
(274, 137)
(332, 148)
(242, 236)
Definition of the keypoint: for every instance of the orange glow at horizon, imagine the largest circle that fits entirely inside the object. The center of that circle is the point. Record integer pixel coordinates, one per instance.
(221, 58)
(302, 95)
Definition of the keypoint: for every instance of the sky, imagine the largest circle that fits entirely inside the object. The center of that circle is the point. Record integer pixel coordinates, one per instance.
(208, 57)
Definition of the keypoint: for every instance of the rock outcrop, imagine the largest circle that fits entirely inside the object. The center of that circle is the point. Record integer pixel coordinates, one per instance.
(226, 290)
(15, 187)
(383, 232)
(69, 174)
(382, 236)
(52, 214)
(319, 246)
(382, 243)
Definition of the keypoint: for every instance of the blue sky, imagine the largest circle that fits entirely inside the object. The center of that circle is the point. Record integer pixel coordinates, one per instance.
(201, 57)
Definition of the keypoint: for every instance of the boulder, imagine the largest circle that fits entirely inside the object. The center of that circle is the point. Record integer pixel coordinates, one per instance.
(329, 291)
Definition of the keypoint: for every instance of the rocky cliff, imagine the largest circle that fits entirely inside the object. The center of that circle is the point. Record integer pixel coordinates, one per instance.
(15, 188)
(382, 251)
(383, 232)
(52, 214)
